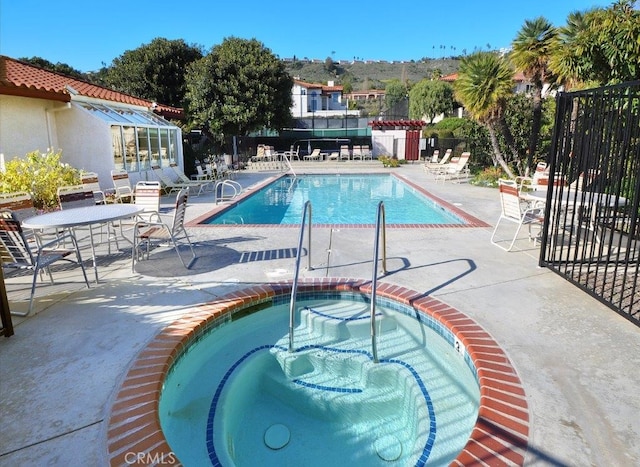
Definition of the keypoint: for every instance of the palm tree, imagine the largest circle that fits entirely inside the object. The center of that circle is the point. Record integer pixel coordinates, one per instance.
(485, 81)
(531, 53)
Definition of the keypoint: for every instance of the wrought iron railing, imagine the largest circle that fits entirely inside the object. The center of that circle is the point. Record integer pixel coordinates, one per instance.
(592, 229)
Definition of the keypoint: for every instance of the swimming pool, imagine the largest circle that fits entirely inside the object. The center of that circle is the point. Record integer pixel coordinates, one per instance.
(340, 199)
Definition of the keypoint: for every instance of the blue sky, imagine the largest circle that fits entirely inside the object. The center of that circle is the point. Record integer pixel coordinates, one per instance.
(88, 35)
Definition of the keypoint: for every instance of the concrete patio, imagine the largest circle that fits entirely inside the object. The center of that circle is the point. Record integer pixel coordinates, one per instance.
(575, 357)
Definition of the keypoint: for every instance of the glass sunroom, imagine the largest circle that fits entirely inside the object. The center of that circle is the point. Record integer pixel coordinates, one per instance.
(140, 139)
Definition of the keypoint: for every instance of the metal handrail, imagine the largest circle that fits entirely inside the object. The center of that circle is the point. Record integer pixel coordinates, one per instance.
(294, 289)
(374, 279)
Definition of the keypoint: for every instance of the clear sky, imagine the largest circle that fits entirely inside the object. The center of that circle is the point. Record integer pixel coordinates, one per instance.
(89, 34)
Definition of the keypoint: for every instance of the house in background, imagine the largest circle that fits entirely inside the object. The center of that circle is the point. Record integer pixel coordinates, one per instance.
(318, 100)
(97, 129)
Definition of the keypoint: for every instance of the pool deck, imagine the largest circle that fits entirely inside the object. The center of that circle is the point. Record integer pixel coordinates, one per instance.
(576, 358)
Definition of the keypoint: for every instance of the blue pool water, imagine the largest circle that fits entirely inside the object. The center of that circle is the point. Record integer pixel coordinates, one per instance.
(337, 199)
(238, 397)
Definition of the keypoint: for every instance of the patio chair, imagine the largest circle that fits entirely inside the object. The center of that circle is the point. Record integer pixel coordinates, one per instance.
(514, 210)
(147, 232)
(122, 186)
(25, 250)
(90, 182)
(20, 202)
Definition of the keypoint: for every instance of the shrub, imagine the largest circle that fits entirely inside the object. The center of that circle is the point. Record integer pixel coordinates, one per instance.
(389, 161)
(39, 174)
(488, 177)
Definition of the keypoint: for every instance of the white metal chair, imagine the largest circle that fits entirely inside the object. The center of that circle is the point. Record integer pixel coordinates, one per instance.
(122, 186)
(514, 210)
(147, 232)
(25, 250)
(90, 182)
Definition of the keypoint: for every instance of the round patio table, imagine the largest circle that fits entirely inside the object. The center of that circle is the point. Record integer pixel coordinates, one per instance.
(82, 216)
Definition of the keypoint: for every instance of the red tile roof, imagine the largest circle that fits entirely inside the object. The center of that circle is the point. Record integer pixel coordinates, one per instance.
(23, 79)
(323, 87)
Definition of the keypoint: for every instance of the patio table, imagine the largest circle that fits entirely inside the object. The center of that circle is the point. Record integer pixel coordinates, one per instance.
(80, 217)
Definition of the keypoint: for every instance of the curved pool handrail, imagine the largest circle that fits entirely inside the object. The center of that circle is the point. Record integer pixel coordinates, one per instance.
(294, 288)
(380, 223)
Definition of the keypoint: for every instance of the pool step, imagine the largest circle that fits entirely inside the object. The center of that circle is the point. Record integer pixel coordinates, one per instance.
(347, 385)
(349, 320)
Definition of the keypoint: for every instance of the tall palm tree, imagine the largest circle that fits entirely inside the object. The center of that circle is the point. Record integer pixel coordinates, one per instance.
(485, 81)
(531, 52)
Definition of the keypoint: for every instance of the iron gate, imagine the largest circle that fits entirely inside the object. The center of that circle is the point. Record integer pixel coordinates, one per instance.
(592, 233)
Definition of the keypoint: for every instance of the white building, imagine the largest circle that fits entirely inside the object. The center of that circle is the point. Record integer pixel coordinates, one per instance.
(97, 129)
(318, 100)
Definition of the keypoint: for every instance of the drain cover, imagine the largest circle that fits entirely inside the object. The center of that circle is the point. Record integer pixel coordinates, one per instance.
(388, 448)
(277, 436)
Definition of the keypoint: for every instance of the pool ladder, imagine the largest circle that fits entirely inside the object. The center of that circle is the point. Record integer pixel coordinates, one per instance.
(380, 227)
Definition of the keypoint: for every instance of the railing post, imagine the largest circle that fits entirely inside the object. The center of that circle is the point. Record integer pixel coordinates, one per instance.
(294, 288)
(380, 222)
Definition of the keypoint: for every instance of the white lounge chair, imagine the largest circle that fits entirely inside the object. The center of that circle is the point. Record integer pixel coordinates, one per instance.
(453, 170)
(431, 167)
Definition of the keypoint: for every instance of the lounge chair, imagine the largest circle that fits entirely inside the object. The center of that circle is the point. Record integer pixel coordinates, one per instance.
(169, 186)
(366, 152)
(345, 154)
(24, 250)
(357, 152)
(182, 177)
(147, 232)
(431, 167)
(515, 211)
(314, 156)
(453, 170)
(334, 156)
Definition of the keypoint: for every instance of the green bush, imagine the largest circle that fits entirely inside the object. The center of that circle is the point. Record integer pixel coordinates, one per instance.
(488, 177)
(389, 161)
(39, 174)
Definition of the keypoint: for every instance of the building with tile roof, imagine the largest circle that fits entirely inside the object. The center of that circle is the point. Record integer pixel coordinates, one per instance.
(96, 128)
(318, 100)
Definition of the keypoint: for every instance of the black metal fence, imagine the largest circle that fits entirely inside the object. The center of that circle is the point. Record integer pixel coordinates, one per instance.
(592, 231)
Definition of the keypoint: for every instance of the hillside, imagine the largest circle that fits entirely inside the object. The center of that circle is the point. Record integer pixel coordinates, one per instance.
(375, 73)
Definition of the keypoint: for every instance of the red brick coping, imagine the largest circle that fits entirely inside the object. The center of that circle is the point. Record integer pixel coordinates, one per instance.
(499, 437)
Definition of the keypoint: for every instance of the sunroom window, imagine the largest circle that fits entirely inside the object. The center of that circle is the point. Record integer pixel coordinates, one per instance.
(140, 139)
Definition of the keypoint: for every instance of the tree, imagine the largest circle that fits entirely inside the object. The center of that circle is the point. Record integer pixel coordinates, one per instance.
(239, 87)
(155, 71)
(531, 52)
(599, 46)
(429, 99)
(394, 92)
(56, 67)
(485, 81)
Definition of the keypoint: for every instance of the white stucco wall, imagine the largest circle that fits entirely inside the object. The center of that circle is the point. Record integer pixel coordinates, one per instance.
(388, 142)
(85, 141)
(25, 127)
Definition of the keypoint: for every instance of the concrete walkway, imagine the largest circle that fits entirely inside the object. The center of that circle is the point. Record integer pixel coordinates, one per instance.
(576, 358)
